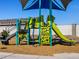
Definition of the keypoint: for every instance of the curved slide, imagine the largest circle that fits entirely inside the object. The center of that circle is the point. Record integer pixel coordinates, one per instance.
(10, 36)
(63, 38)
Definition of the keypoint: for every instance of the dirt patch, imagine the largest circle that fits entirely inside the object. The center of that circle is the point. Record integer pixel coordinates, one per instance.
(38, 50)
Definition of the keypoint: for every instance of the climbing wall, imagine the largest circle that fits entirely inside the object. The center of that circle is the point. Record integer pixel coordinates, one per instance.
(45, 35)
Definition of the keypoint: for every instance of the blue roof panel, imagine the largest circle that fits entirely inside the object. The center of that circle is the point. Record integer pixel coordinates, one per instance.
(44, 5)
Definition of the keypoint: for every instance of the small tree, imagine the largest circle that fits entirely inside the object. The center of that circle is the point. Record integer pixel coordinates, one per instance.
(5, 34)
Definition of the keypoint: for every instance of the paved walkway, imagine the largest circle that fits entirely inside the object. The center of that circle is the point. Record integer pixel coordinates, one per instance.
(56, 56)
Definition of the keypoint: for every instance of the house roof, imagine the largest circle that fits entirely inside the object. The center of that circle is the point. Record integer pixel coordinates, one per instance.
(7, 22)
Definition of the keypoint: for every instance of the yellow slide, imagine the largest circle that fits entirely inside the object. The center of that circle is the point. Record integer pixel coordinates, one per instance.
(63, 38)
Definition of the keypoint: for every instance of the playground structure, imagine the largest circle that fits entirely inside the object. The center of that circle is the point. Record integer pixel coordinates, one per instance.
(44, 33)
(45, 29)
(25, 26)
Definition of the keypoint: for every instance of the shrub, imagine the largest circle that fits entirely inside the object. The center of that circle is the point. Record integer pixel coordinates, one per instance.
(5, 33)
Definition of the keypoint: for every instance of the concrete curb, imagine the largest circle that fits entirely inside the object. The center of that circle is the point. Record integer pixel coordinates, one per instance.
(22, 56)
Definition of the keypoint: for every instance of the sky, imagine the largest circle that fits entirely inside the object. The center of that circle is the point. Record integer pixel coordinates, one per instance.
(11, 9)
